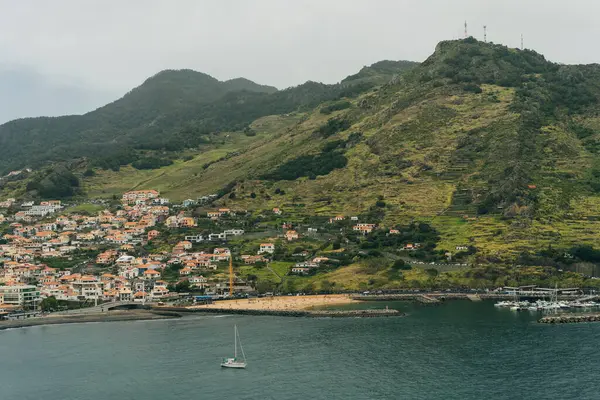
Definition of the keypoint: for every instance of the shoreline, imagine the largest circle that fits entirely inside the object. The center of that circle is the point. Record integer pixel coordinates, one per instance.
(110, 316)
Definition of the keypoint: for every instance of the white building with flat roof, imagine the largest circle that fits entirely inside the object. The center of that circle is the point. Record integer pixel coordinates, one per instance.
(20, 295)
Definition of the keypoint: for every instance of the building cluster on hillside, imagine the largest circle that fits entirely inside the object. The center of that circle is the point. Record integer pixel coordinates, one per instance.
(64, 285)
(35, 235)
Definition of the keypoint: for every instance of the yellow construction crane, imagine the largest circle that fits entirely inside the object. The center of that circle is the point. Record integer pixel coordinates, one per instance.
(230, 275)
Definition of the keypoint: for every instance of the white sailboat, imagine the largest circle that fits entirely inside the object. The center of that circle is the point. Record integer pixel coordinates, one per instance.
(235, 362)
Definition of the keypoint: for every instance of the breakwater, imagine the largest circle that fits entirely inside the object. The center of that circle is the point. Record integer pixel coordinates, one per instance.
(570, 318)
(295, 313)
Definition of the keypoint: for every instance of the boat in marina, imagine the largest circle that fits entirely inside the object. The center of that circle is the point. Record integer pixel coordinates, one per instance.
(545, 306)
(584, 304)
(235, 362)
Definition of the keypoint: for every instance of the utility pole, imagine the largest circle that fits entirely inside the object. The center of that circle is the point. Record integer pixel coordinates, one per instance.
(230, 274)
(485, 33)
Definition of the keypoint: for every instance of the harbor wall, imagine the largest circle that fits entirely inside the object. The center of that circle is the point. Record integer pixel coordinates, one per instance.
(295, 313)
(570, 318)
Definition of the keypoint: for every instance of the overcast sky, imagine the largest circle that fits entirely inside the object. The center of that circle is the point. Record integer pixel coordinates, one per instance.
(106, 47)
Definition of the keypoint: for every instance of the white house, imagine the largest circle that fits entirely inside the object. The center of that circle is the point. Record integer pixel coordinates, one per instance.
(234, 232)
(195, 238)
(303, 268)
(125, 294)
(143, 195)
(188, 202)
(267, 248)
(198, 281)
(217, 236)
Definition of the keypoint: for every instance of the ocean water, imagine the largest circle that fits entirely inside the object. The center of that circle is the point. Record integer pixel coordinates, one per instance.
(459, 350)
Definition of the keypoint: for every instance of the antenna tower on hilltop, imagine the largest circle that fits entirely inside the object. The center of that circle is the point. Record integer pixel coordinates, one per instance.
(522, 42)
(466, 34)
(485, 33)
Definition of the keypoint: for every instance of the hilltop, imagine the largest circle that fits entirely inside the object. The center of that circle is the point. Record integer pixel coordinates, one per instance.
(171, 111)
(164, 103)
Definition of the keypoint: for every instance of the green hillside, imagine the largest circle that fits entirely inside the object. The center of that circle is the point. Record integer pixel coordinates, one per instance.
(169, 113)
(495, 147)
(163, 104)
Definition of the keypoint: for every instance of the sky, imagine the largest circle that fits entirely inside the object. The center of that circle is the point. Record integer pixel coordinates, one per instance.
(94, 51)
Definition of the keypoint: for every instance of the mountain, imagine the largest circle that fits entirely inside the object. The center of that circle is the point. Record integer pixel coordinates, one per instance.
(26, 93)
(171, 111)
(162, 103)
(496, 148)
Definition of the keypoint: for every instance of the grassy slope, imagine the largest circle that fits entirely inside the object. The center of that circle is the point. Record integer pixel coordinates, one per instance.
(427, 133)
(425, 148)
(186, 179)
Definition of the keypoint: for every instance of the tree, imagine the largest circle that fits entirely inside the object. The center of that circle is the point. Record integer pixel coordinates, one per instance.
(340, 105)
(308, 165)
(265, 286)
(55, 183)
(432, 272)
(49, 304)
(400, 264)
(180, 287)
(151, 163)
(89, 172)
(327, 286)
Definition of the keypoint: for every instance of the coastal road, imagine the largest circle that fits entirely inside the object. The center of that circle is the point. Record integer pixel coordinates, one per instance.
(96, 309)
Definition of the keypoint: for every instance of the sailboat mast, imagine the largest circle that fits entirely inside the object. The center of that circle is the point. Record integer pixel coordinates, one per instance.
(235, 341)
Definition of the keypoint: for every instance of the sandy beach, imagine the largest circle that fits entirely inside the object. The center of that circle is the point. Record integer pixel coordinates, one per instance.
(280, 303)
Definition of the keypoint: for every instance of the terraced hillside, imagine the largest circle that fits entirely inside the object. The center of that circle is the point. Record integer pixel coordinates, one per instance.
(495, 147)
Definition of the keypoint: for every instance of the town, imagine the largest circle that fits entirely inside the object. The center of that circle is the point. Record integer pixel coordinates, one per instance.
(143, 248)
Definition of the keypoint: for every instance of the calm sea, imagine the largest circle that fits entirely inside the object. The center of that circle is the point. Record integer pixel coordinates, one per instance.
(459, 350)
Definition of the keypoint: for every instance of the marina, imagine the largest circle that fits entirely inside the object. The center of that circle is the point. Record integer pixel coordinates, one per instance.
(546, 306)
(553, 304)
